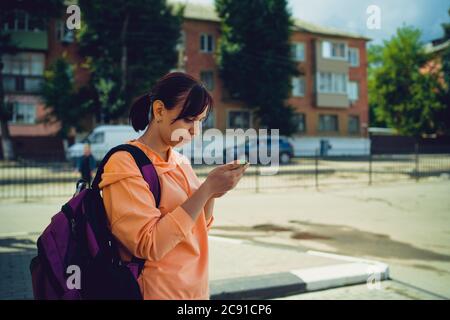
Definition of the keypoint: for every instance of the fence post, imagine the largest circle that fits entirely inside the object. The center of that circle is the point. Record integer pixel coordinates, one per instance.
(416, 151)
(257, 178)
(370, 168)
(316, 170)
(25, 181)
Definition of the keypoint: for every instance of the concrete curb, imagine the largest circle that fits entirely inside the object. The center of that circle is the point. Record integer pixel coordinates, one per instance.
(353, 271)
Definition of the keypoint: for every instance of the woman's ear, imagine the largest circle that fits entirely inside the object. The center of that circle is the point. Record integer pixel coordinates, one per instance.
(158, 109)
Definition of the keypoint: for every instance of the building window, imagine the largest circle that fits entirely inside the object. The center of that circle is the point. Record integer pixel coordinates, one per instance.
(298, 86)
(328, 123)
(328, 82)
(206, 43)
(238, 119)
(334, 50)
(24, 64)
(19, 20)
(209, 122)
(207, 77)
(23, 113)
(353, 57)
(300, 121)
(298, 51)
(181, 43)
(23, 72)
(353, 124)
(353, 90)
(63, 34)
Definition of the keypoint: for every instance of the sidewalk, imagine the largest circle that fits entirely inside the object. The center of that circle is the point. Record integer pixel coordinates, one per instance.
(367, 222)
(242, 269)
(238, 269)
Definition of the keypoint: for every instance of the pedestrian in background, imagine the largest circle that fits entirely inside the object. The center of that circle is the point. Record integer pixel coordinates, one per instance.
(86, 164)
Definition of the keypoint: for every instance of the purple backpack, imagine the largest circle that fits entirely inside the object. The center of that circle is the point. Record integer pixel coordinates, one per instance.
(78, 257)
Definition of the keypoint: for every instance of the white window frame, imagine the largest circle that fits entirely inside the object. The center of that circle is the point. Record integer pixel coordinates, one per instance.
(301, 86)
(297, 116)
(212, 118)
(229, 111)
(328, 115)
(204, 42)
(298, 55)
(327, 50)
(353, 90)
(355, 52)
(181, 43)
(15, 23)
(29, 115)
(212, 79)
(24, 64)
(359, 124)
(63, 34)
(333, 84)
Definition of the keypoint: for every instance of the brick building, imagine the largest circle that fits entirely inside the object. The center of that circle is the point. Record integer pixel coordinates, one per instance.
(330, 96)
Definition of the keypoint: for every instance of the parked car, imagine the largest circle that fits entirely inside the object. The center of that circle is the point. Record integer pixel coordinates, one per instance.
(102, 139)
(286, 150)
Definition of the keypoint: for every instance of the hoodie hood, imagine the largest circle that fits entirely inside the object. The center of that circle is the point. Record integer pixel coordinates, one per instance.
(129, 169)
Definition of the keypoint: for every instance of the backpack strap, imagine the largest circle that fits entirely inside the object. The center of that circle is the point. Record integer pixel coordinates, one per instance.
(148, 172)
(144, 164)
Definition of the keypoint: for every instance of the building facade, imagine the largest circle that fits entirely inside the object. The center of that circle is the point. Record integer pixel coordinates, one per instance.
(330, 96)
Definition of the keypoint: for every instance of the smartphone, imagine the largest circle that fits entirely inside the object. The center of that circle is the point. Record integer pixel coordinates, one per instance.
(242, 162)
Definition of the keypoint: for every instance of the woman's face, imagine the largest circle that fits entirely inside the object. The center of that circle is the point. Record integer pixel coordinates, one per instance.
(181, 131)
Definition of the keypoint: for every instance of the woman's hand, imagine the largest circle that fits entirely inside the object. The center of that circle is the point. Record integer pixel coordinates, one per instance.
(224, 178)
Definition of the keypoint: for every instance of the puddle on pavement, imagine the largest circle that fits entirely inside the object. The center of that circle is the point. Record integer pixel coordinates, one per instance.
(346, 240)
(356, 242)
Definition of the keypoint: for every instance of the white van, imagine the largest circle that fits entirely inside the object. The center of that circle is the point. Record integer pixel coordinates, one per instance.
(102, 139)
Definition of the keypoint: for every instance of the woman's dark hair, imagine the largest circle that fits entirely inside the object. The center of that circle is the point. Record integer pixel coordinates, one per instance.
(172, 89)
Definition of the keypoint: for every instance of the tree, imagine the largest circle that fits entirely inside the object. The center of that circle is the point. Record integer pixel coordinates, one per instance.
(41, 10)
(128, 45)
(445, 92)
(374, 55)
(255, 61)
(405, 97)
(6, 46)
(64, 105)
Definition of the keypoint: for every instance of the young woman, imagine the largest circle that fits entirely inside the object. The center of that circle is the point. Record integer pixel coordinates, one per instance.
(173, 237)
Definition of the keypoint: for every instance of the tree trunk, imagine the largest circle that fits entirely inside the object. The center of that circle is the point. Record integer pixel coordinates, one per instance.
(123, 61)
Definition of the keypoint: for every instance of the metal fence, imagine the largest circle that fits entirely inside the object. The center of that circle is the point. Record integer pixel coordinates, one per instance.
(31, 179)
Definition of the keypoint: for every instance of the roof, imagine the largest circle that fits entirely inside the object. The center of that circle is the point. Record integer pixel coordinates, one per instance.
(431, 48)
(197, 11)
(208, 13)
(306, 26)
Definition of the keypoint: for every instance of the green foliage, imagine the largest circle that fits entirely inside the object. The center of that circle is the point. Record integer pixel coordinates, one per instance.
(402, 95)
(128, 46)
(445, 92)
(62, 102)
(255, 58)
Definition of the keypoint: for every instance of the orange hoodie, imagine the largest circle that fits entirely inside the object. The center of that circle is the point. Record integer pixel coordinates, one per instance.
(174, 245)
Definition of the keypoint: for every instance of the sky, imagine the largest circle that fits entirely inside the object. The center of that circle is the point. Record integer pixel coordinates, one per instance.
(350, 15)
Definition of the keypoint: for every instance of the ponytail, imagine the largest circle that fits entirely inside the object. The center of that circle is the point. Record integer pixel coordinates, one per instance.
(139, 113)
